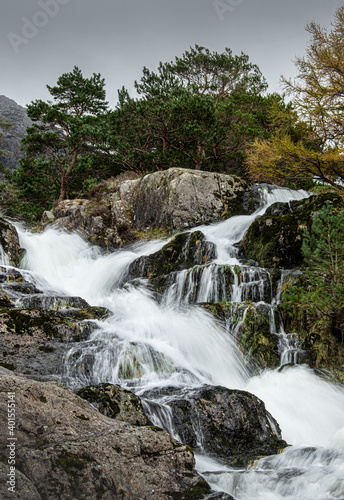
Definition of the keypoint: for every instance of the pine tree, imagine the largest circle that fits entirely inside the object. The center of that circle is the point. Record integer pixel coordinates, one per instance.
(64, 130)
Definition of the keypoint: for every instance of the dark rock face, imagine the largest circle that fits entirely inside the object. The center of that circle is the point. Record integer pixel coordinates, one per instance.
(17, 116)
(66, 449)
(9, 242)
(116, 402)
(275, 239)
(230, 425)
(181, 198)
(182, 252)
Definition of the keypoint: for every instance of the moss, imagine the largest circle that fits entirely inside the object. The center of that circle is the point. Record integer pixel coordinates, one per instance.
(275, 239)
(152, 233)
(5, 301)
(70, 461)
(154, 428)
(184, 251)
(197, 492)
(256, 340)
(94, 395)
(314, 330)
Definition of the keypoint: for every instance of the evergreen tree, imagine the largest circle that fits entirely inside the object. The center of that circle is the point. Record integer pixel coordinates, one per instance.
(64, 131)
(199, 111)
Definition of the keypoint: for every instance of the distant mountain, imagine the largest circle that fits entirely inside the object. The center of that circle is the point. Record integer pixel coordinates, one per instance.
(17, 116)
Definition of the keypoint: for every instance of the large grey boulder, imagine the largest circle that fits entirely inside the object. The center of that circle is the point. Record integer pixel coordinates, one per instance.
(120, 209)
(66, 449)
(182, 198)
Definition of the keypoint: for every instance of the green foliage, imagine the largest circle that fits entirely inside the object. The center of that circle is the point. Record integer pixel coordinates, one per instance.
(200, 111)
(308, 141)
(321, 293)
(64, 132)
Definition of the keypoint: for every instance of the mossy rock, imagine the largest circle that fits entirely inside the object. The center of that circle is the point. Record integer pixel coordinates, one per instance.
(184, 251)
(324, 349)
(116, 402)
(275, 239)
(35, 322)
(257, 343)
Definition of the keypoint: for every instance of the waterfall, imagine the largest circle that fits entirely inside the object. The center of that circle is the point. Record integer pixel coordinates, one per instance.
(146, 344)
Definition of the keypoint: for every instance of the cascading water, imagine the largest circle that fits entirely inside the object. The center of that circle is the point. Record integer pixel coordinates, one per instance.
(145, 344)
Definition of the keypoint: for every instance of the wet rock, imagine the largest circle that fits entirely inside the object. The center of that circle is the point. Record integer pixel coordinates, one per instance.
(181, 198)
(36, 330)
(182, 252)
(116, 402)
(230, 425)
(275, 239)
(69, 450)
(253, 199)
(259, 345)
(34, 342)
(9, 242)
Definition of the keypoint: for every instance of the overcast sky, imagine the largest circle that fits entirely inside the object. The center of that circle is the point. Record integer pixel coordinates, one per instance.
(41, 39)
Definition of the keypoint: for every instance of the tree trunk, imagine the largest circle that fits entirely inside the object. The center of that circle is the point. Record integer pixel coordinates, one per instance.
(200, 155)
(65, 176)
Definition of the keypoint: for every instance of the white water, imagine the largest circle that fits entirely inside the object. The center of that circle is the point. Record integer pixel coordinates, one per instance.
(145, 345)
(228, 233)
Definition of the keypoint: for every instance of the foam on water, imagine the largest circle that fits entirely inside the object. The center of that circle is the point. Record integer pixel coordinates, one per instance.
(146, 344)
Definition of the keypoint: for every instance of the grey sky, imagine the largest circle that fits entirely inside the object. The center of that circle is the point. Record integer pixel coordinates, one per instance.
(41, 39)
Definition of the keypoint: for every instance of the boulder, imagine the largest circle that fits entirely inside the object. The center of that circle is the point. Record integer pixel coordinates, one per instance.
(180, 198)
(104, 219)
(275, 239)
(184, 251)
(66, 449)
(94, 221)
(231, 425)
(120, 210)
(9, 242)
(116, 402)
(256, 341)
